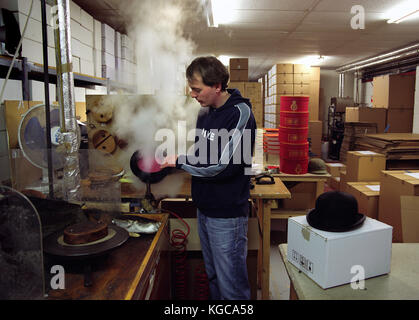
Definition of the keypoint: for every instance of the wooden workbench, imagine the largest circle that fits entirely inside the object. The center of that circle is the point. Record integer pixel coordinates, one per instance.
(138, 269)
(402, 283)
(264, 196)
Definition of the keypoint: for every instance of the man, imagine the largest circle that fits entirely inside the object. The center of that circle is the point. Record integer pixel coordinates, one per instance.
(220, 187)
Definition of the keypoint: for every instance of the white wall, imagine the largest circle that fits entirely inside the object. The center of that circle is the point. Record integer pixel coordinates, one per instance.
(416, 107)
(364, 94)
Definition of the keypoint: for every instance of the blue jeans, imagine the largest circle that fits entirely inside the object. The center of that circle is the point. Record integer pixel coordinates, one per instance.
(224, 247)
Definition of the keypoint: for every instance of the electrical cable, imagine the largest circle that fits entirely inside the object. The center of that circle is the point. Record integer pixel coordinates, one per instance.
(15, 55)
(201, 282)
(178, 241)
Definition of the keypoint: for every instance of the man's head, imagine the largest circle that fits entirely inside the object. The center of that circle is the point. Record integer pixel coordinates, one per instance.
(207, 78)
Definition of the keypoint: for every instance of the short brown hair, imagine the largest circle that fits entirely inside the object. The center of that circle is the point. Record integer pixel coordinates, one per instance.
(210, 69)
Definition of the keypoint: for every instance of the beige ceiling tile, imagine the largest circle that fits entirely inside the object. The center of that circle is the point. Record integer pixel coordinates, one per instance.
(288, 5)
(346, 5)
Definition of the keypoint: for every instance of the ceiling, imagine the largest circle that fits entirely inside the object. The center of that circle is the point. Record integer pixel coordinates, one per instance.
(284, 31)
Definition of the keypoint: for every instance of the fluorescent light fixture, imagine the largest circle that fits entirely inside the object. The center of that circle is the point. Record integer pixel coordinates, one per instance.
(312, 60)
(407, 10)
(220, 12)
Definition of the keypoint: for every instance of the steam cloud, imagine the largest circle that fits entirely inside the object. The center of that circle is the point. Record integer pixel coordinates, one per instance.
(162, 56)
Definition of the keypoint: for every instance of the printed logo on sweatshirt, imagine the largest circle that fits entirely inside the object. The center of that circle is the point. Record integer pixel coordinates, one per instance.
(208, 134)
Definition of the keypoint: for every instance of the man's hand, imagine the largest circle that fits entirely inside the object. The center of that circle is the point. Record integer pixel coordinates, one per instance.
(169, 161)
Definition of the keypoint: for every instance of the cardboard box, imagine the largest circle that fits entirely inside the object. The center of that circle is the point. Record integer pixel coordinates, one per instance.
(108, 33)
(328, 258)
(400, 120)
(393, 185)
(239, 63)
(303, 196)
(13, 90)
(239, 75)
(315, 74)
(23, 174)
(342, 181)
(253, 91)
(301, 89)
(315, 128)
(394, 91)
(302, 68)
(237, 85)
(282, 68)
(281, 78)
(316, 145)
(276, 98)
(315, 136)
(302, 78)
(272, 118)
(366, 114)
(335, 168)
(281, 89)
(367, 194)
(334, 183)
(410, 218)
(314, 101)
(364, 166)
(257, 109)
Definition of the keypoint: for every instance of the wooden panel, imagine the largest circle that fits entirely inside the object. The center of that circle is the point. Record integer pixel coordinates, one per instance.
(122, 274)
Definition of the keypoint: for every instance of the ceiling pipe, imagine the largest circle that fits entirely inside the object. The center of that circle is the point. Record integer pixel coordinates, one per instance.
(406, 65)
(382, 58)
(341, 90)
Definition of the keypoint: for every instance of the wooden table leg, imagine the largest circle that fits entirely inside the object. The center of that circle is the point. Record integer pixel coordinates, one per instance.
(266, 246)
(259, 215)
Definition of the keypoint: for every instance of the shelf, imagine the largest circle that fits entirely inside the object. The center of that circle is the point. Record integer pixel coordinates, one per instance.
(36, 72)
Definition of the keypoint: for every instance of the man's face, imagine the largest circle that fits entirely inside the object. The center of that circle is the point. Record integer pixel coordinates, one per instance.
(205, 95)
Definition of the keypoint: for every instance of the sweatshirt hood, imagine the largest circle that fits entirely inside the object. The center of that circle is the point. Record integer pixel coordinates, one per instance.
(235, 98)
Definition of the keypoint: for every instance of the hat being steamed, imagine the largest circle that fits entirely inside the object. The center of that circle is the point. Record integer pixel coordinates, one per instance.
(335, 211)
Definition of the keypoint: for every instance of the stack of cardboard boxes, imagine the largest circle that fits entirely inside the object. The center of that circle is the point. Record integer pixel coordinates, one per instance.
(251, 90)
(362, 179)
(239, 69)
(393, 103)
(367, 114)
(367, 194)
(396, 93)
(352, 131)
(315, 137)
(335, 169)
(388, 196)
(393, 186)
(97, 49)
(290, 79)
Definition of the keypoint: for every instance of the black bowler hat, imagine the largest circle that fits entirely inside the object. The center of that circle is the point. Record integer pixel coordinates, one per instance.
(335, 211)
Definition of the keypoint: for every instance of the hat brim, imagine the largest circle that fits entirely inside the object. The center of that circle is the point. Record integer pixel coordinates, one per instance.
(314, 221)
(318, 172)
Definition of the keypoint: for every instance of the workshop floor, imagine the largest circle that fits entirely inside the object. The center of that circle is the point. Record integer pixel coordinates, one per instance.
(279, 283)
(279, 286)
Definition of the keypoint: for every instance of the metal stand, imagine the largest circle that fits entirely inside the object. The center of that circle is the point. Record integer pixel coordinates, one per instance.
(335, 131)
